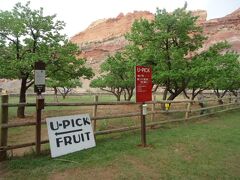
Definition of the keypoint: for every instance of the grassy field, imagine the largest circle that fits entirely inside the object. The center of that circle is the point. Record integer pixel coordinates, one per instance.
(204, 149)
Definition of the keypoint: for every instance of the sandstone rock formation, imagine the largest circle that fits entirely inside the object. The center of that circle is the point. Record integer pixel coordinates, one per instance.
(105, 37)
(105, 29)
(226, 28)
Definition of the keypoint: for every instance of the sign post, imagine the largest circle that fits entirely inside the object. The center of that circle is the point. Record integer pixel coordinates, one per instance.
(143, 124)
(143, 82)
(69, 134)
(39, 87)
(39, 77)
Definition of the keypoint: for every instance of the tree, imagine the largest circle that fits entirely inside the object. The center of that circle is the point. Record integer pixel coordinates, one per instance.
(216, 68)
(225, 75)
(108, 83)
(63, 87)
(165, 44)
(28, 36)
(199, 74)
(203, 68)
(67, 69)
(117, 76)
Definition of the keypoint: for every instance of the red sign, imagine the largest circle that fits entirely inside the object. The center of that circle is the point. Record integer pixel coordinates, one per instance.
(143, 80)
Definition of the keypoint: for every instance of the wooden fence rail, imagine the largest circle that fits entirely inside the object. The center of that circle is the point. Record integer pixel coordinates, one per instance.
(5, 125)
(107, 103)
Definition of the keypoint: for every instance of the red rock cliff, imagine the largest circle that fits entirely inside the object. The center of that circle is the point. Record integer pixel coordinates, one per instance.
(226, 28)
(106, 36)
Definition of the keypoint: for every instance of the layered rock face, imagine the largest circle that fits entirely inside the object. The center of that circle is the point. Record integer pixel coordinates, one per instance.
(226, 28)
(104, 37)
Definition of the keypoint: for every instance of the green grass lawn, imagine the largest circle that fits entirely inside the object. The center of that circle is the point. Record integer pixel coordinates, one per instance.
(204, 149)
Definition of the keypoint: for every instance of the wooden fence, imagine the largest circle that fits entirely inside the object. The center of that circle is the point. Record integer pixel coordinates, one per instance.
(152, 112)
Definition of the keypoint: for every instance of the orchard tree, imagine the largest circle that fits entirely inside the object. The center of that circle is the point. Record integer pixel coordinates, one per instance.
(164, 44)
(27, 36)
(108, 83)
(225, 75)
(216, 68)
(234, 85)
(203, 71)
(63, 87)
(65, 72)
(117, 76)
(199, 75)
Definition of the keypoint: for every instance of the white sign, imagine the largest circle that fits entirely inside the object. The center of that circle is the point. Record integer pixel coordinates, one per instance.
(69, 134)
(39, 77)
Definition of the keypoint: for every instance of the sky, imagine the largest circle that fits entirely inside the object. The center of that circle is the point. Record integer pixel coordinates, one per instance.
(79, 14)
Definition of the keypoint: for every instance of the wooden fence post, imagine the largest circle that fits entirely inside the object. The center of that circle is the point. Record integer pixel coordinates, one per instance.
(4, 131)
(143, 109)
(153, 108)
(39, 107)
(95, 113)
(188, 110)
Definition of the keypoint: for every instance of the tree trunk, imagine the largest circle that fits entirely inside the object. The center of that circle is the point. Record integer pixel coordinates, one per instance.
(165, 94)
(195, 93)
(129, 93)
(55, 94)
(164, 98)
(124, 94)
(234, 93)
(64, 96)
(217, 93)
(172, 96)
(116, 92)
(185, 94)
(220, 101)
(118, 97)
(22, 98)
